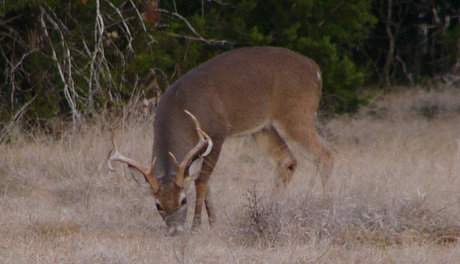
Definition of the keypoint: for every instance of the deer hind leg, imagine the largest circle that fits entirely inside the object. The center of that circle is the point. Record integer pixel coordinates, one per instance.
(303, 131)
(203, 194)
(275, 147)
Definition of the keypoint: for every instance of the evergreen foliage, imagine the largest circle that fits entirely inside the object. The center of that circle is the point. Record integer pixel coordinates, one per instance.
(70, 59)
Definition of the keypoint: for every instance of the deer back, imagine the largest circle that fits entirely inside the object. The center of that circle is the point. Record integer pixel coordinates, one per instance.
(237, 92)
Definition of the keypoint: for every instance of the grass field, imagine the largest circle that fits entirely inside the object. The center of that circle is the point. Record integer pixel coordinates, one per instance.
(394, 196)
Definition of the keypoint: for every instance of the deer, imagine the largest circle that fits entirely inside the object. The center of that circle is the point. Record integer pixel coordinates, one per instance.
(269, 93)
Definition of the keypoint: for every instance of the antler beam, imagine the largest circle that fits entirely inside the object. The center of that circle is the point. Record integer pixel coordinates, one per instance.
(117, 156)
(202, 141)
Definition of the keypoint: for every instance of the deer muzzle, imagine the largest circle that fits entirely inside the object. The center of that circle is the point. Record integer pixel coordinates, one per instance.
(175, 220)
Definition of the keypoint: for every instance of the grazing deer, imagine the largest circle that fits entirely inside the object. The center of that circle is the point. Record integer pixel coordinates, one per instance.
(269, 93)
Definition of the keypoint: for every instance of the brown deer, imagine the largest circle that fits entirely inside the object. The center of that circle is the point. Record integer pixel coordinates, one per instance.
(269, 93)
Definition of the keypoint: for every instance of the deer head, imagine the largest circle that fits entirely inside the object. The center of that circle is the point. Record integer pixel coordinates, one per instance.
(169, 192)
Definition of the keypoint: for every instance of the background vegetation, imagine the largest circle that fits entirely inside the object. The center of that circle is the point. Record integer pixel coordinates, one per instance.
(72, 60)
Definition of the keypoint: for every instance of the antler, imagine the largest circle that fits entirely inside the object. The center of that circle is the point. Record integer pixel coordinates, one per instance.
(203, 139)
(117, 156)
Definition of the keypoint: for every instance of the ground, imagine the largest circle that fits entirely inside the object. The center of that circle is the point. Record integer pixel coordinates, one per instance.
(394, 196)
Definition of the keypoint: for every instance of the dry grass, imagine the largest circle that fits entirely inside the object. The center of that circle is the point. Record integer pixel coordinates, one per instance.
(394, 198)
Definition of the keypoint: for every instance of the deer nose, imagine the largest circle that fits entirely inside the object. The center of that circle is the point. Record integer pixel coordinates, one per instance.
(175, 230)
(175, 220)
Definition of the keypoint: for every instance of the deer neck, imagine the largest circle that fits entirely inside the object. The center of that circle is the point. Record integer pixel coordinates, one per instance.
(170, 136)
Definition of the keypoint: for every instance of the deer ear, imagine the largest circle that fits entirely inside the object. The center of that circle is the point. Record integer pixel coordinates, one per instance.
(194, 170)
(138, 175)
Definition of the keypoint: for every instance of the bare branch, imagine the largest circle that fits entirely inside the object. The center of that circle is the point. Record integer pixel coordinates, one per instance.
(152, 39)
(127, 30)
(405, 70)
(198, 36)
(99, 29)
(17, 117)
(333, 10)
(68, 84)
(175, 14)
(219, 2)
(208, 41)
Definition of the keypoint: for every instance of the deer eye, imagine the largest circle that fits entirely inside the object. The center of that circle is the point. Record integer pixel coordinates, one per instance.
(183, 201)
(159, 207)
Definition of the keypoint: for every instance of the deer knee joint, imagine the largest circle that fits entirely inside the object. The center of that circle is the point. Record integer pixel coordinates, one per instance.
(285, 172)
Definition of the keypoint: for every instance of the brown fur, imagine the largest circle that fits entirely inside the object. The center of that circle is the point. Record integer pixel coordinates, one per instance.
(271, 93)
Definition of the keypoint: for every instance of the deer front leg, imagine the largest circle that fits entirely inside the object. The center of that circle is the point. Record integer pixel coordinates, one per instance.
(209, 207)
(201, 189)
(203, 195)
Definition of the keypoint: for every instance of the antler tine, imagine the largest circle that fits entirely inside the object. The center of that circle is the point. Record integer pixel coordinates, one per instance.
(151, 177)
(209, 140)
(119, 157)
(201, 134)
(178, 167)
(114, 148)
(203, 139)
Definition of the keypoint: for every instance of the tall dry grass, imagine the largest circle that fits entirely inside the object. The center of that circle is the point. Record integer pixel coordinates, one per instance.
(394, 197)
